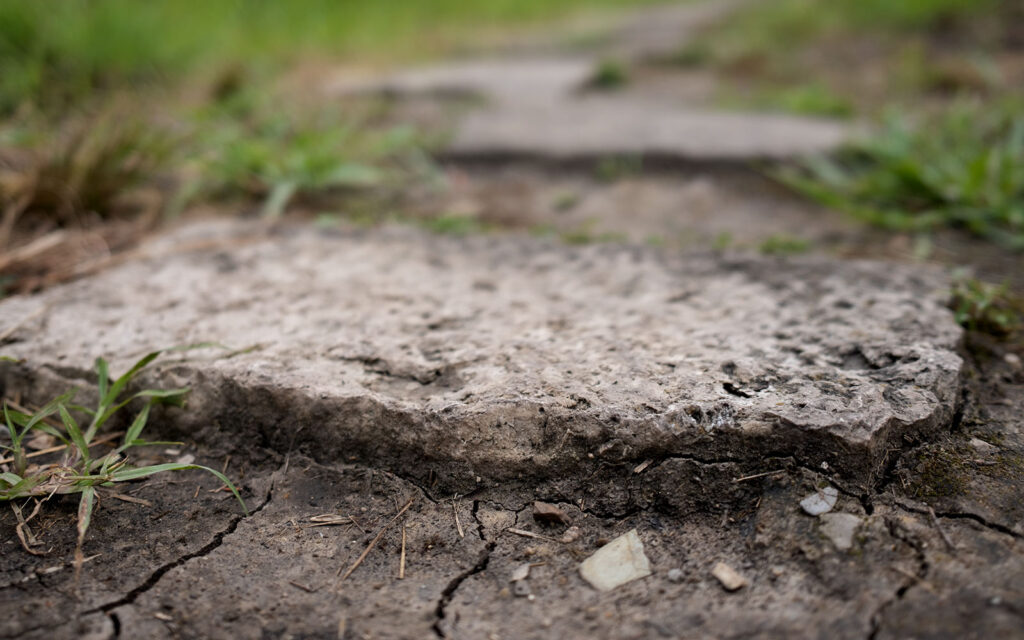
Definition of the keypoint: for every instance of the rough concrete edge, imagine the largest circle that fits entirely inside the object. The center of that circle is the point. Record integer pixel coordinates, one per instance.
(419, 447)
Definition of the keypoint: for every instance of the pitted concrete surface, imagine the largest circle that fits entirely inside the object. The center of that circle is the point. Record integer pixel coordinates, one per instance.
(497, 358)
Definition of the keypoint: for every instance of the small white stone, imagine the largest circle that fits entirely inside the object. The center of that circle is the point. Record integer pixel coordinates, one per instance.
(821, 501)
(731, 579)
(522, 572)
(675, 575)
(981, 446)
(1013, 360)
(840, 528)
(620, 561)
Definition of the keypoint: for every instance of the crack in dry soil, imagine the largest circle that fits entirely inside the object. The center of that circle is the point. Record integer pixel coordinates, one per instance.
(963, 515)
(449, 592)
(206, 549)
(920, 576)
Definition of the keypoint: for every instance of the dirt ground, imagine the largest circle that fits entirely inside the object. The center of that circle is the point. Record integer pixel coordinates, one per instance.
(328, 549)
(937, 554)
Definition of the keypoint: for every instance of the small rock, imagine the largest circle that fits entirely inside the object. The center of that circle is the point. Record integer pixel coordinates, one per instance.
(731, 580)
(839, 528)
(1014, 361)
(522, 572)
(981, 446)
(821, 501)
(620, 561)
(675, 575)
(572, 534)
(188, 458)
(549, 514)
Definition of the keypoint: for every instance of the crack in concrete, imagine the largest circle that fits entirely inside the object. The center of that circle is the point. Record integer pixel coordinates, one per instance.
(206, 549)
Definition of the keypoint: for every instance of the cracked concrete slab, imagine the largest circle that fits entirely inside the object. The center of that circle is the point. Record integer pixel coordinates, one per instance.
(471, 361)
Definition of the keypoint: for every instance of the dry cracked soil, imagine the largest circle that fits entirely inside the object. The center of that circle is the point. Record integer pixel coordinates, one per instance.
(394, 404)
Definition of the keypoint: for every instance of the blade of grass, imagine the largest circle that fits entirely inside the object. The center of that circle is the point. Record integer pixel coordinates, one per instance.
(75, 433)
(104, 375)
(142, 472)
(135, 430)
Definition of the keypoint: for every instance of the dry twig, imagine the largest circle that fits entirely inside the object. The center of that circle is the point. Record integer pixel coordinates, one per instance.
(760, 475)
(42, 452)
(373, 543)
(458, 525)
(530, 534)
(942, 532)
(401, 562)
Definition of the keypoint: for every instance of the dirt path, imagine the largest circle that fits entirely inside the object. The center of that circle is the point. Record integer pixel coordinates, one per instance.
(695, 397)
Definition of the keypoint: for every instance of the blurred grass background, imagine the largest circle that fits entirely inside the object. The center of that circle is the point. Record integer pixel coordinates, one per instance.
(128, 112)
(58, 51)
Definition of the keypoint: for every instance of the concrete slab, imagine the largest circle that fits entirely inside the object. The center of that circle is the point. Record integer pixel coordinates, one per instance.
(461, 361)
(514, 80)
(602, 127)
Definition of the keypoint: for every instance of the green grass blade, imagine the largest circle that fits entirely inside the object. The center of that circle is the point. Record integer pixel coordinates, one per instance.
(75, 433)
(125, 475)
(10, 478)
(85, 410)
(103, 369)
(115, 389)
(135, 430)
(50, 408)
(47, 429)
(18, 453)
(155, 443)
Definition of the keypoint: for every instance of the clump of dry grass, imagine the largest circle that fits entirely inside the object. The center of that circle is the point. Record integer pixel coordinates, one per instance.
(82, 171)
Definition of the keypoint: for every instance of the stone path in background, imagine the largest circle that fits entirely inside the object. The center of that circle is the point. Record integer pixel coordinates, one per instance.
(536, 106)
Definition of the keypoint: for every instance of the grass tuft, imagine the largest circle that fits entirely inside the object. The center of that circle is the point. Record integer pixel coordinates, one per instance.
(962, 169)
(985, 307)
(78, 471)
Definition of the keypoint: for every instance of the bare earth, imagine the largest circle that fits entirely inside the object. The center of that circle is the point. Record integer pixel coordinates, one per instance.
(695, 395)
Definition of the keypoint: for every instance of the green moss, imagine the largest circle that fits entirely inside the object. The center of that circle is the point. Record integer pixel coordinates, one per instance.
(940, 473)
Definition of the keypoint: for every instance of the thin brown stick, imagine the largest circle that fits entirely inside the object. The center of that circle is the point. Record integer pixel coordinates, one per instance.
(942, 532)
(458, 525)
(35, 247)
(760, 475)
(302, 586)
(401, 562)
(9, 331)
(42, 452)
(373, 543)
(127, 498)
(530, 534)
